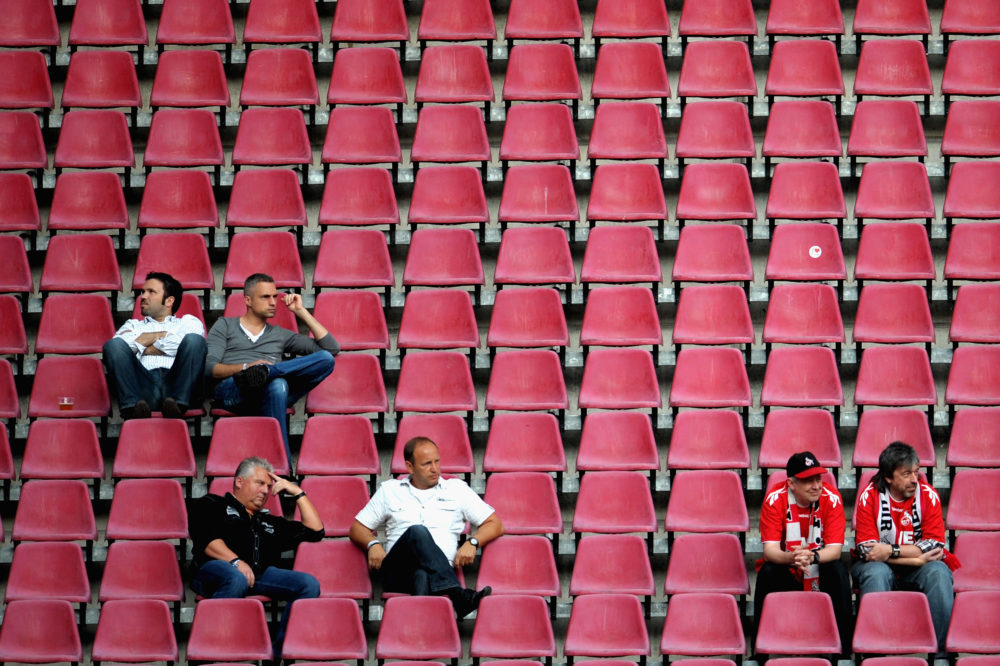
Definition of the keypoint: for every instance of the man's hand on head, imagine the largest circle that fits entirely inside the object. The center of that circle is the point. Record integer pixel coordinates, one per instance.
(294, 303)
(283, 485)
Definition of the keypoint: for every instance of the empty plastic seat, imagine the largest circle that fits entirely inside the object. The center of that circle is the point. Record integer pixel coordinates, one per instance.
(53, 570)
(971, 130)
(804, 68)
(360, 196)
(788, 431)
(353, 258)
(715, 314)
(355, 318)
(713, 253)
(526, 379)
(879, 427)
(529, 441)
(450, 133)
(606, 625)
(337, 499)
(134, 629)
(362, 21)
(626, 193)
(706, 563)
(802, 128)
(979, 570)
(708, 439)
(880, 616)
(448, 431)
(88, 201)
(969, 17)
(617, 441)
(520, 565)
(271, 137)
(357, 388)
(971, 193)
(619, 379)
(94, 139)
(10, 404)
(18, 208)
(776, 637)
(633, 18)
(893, 313)
(538, 255)
(705, 501)
(539, 132)
(13, 339)
(886, 128)
(40, 631)
(213, 637)
(74, 324)
(631, 70)
(142, 570)
(894, 191)
(454, 73)
(192, 22)
(361, 135)
(973, 627)
(513, 626)
(620, 317)
(266, 198)
(719, 68)
(897, 17)
(185, 255)
(101, 79)
(443, 258)
(448, 195)
(530, 317)
(895, 376)
(802, 377)
(606, 563)
(803, 314)
(277, 22)
(973, 439)
(233, 439)
(273, 252)
(15, 273)
(894, 251)
(146, 509)
(367, 75)
(712, 130)
(442, 20)
(627, 131)
(280, 77)
(23, 146)
(614, 503)
(620, 254)
(717, 18)
(309, 635)
(973, 69)
(338, 444)
(808, 251)
(436, 381)
(438, 319)
(971, 252)
(29, 23)
(108, 23)
(804, 191)
(893, 67)
(526, 502)
(541, 73)
(538, 193)
(716, 192)
(54, 510)
(26, 81)
(710, 377)
(80, 378)
(972, 376)
(791, 18)
(178, 199)
(340, 567)
(555, 20)
(156, 449)
(418, 628)
(703, 624)
(63, 449)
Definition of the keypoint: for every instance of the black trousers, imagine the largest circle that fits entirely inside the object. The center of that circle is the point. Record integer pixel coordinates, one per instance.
(416, 565)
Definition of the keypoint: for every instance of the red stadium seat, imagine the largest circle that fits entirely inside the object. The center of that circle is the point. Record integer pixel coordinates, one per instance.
(706, 501)
(356, 388)
(706, 563)
(631, 70)
(627, 131)
(195, 23)
(178, 199)
(512, 627)
(895, 377)
(450, 133)
(803, 314)
(894, 251)
(539, 132)
(184, 138)
(361, 196)
(520, 565)
(537, 255)
(971, 130)
(973, 627)
(712, 130)
(367, 75)
(354, 318)
(10, 403)
(447, 21)
(526, 380)
(708, 439)
(803, 128)
(896, 17)
(340, 567)
(606, 625)
(213, 637)
(448, 431)
(786, 17)
(713, 253)
(715, 314)
(541, 73)
(893, 313)
(538, 193)
(526, 502)
(971, 193)
(234, 438)
(282, 22)
(280, 77)
(108, 23)
(338, 444)
(57, 510)
(63, 449)
(418, 628)
(438, 319)
(620, 317)
(973, 69)
(266, 198)
(443, 258)
(89, 201)
(804, 191)
(40, 631)
(710, 377)
(142, 570)
(620, 254)
(454, 73)
(15, 273)
(973, 502)
(101, 79)
(435, 381)
(972, 254)
(891, 67)
(804, 68)
(703, 624)
(273, 252)
(530, 317)
(154, 449)
(979, 570)
(13, 339)
(74, 324)
(877, 428)
(361, 135)
(973, 440)
(886, 128)
(448, 195)
(626, 192)
(809, 251)
(309, 635)
(78, 377)
(614, 503)
(619, 379)
(185, 255)
(18, 208)
(612, 563)
(971, 377)
(354, 258)
(29, 23)
(718, 18)
(805, 376)
(148, 509)
(94, 139)
(717, 68)
(271, 137)
(23, 146)
(337, 499)
(969, 17)
(631, 18)
(819, 636)
(134, 629)
(894, 191)
(716, 192)
(554, 20)
(27, 84)
(788, 431)
(363, 21)
(617, 441)
(54, 570)
(524, 442)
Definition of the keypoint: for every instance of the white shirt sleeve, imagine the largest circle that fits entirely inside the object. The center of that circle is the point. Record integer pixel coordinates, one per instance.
(376, 512)
(188, 324)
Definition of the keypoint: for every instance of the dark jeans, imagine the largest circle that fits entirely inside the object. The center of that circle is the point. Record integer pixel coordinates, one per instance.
(287, 382)
(183, 381)
(221, 580)
(416, 565)
(832, 579)
(933, 579)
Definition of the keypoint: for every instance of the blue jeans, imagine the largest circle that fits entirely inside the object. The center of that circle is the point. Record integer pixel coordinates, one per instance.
(220, 580)
(287, 382)
(416, 565)
(933, 579)
(183, 381)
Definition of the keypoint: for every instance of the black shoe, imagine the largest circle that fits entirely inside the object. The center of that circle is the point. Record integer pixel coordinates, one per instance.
(253, 378)
(465, 600)
(173, 409)
(140, 410)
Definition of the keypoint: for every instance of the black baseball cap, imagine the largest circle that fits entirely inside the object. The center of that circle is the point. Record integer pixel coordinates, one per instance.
(803, 464)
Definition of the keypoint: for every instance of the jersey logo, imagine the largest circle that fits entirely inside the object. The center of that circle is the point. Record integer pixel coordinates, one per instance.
(230, 511)
(905, 520)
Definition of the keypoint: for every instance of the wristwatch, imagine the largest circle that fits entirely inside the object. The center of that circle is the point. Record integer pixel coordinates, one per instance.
(474, 541)
(895, 552)
(815, 557)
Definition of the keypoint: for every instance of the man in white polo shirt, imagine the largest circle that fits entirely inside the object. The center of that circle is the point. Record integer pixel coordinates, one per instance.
(424, 515)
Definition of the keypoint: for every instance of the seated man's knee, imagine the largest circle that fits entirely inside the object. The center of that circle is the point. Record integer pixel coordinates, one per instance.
(936, 575)
(277, 388)
(194, 342)
(418, 533)
(114, 349)
(873, 577)
(309, 586)
(221, 580)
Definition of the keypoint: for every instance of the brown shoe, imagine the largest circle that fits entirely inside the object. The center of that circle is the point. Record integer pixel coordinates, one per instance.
(173, 409)
(141, 410)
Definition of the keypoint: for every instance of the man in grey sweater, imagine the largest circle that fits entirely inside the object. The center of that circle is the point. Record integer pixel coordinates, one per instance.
(245, 355)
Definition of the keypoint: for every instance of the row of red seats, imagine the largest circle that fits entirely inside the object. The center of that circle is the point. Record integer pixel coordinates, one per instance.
(536, 72)
(121, 22)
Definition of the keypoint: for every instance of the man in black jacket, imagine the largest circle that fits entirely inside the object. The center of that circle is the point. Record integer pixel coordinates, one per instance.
(238, 543)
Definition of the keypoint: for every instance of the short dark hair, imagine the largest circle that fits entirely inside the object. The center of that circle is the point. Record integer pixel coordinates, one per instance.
(253, 281)
(171, 287)
(896, 455)
(412, 444)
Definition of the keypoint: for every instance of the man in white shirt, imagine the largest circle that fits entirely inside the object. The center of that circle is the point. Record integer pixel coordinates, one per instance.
(157, 362)
(424, 515)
